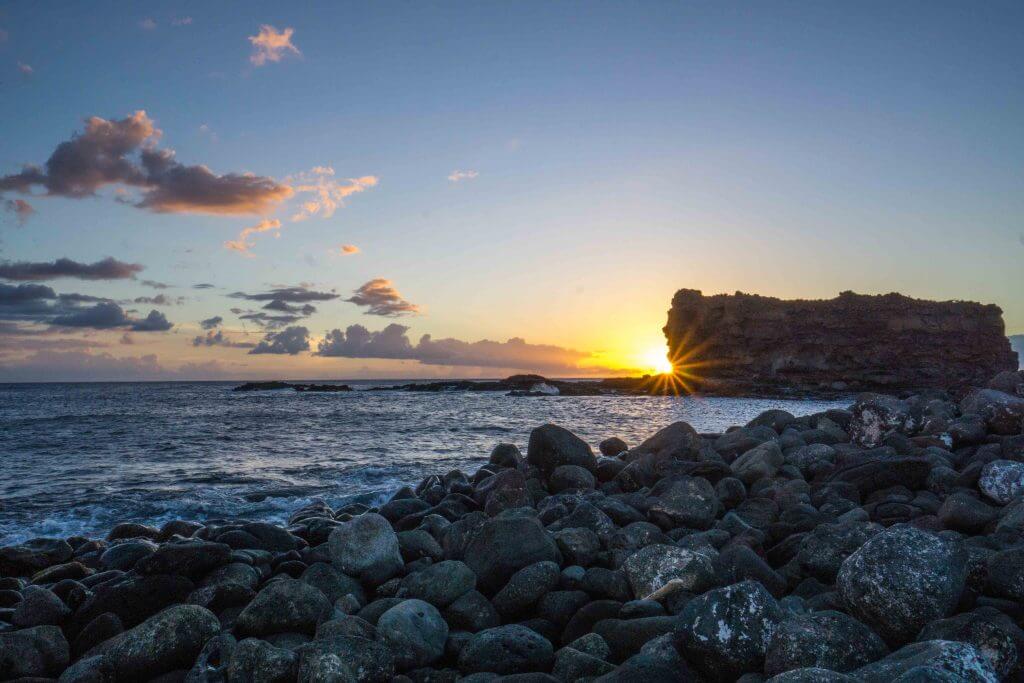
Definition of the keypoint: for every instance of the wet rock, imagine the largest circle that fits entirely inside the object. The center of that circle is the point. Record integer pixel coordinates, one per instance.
(439, 584)
(31, 556)
(578, 546)
(612, 446)
(417, 544)
(965, 513)
(167, 641)
(726, 631)
(103, 627)
(651, 568)
(258, 660)
(511, 649)
(760, 462)
(39, 607)
(506, 455)
(961, 660)
(526, 587)
(123, 556)
(570, 477)
(189, 558)
(415, 632)
(901, 579)
(503, 546)
(1002, 481)
(132, 598)
(332, 582)
(366, 547)
(683, 502)
(39, 651)
(133, 530)
(284, 605)
(551, 446)
(826, 640)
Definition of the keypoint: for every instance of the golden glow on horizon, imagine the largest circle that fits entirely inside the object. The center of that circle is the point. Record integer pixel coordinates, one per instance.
(656, 360)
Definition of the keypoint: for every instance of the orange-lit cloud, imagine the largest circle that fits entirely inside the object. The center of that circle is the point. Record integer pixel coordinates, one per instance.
(347, 249)
(26, 69)
(243, 244)
(381, 298)
(271, 45)
(21, 209)
(328, 193)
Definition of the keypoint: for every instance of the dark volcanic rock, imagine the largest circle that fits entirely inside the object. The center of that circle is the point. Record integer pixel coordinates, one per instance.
(901, 579)
(827, 640)
(959, 661)
(505, 650)
(165, 642)
(502, 546)
(28, 558)
(415, 631)
(40, 651)
(284, 605)
(366, 547)
(552, 446)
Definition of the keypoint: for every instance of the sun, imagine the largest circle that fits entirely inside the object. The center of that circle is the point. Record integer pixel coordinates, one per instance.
(657, 360)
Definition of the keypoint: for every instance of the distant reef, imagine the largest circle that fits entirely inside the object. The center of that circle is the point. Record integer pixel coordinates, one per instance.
(750, 344)
(277, 386)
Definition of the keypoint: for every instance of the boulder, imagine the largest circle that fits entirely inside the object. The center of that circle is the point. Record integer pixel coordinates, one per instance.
(345, 659)
(1006, 573)
(995, 635)
(612, 446)
(506, 650)
(569, 478)
(902, 579)
(682, 501)
(827, 640)
(824, 549)
(165, 642)
(188, 558)
(472, 612)
(961, 661)
(503, 546)
(31, 556)
(366, 547)
(332, 582)
(439, 584)
(415, 632)
(725, 632)
(40, 651)
(526, 587)
(284, 605)
(1002, 480)
(39, 607)
(1003, 413)
(876, 416)
(258, 660)
(651, 568)
(760, 462)
(551, 446)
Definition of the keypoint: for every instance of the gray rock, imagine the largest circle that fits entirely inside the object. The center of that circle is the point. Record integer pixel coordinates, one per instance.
(503, 546)
(996, 637)
(1002, 480)
(876, 416)
(959, 659)
(346, 625)
(651, 568)
(578, 546)
(124, 555)
(366, 547)
(167, 641)
(39, 651)
(826, 640)
(572, 665)
(625, 637)
(39, 607)
(258, 660)
(284, 605)
(526, 587)
(901, 579)
(211, 665)
(760, 462)
(472, 612)
(188, 558)
(726, 631)
(570, 477)
(1003, 413)
(332, 582)
(551, 447)
(31, 556)
(439, 584)
(683, 501)
(812, 675)
(345, 660)
(823, 550)
(505, 650)
(415, 632)
(1006, 573)
(612, 446)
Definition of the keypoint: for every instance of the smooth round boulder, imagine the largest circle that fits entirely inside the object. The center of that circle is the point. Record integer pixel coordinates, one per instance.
(40, 651)
(39, 607)
(345, 659)
(439, 584)
(165, 642)
(902, 579)
(284, 605)
(725, 632)
(551, 446)
(526, 587)
(257, 660)
(569, 478)
(826, 640)
(506, 650)
(504, 545)
(416, 633)
(612, 446)
(651, 568)
(189, 558)
(366, 547)
(1002, 480)
(993, 633)
(961, 660)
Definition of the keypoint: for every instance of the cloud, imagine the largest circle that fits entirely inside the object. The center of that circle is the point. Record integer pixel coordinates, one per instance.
(381, 298)
(154, 322)
(203, 285)
(181, 21)
(217, 338)
(106, 269)
(329, 194)
(290, 340)
(271, 45)
(459, 176)
(21, 209)
(242, 245)
(211, 323)
(348, 249)
(158, 300)
(270, 322)
(284, 307)
(290, 294)
(41, 305)
(25, 69)
(71, 366)
(124, 153)
(392, 342)
(147, 24)
(102, 316)
(154, 284)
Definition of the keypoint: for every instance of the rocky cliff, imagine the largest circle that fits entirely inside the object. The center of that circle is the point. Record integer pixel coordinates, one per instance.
(745, 342)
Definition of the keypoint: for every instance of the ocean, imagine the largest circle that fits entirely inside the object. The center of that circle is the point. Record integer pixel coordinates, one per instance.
(79, 458)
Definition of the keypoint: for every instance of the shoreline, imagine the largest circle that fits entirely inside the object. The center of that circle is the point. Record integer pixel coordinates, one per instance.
(808, 538)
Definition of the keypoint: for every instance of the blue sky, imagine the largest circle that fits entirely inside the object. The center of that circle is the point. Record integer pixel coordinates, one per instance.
(620, 151)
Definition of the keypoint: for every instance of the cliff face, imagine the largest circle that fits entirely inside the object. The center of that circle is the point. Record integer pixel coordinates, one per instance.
(852, 342)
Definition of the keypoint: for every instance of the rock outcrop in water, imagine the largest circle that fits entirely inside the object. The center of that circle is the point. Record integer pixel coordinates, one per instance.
(876, 544)
(744, 342)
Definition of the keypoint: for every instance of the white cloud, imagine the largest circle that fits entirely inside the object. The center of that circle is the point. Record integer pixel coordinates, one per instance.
(459, 176)
(271, 45)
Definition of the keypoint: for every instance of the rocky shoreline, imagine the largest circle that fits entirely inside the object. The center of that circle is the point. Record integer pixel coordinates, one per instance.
(880, 543)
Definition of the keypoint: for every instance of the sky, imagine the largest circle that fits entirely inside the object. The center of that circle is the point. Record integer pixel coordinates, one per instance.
(391, 190)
